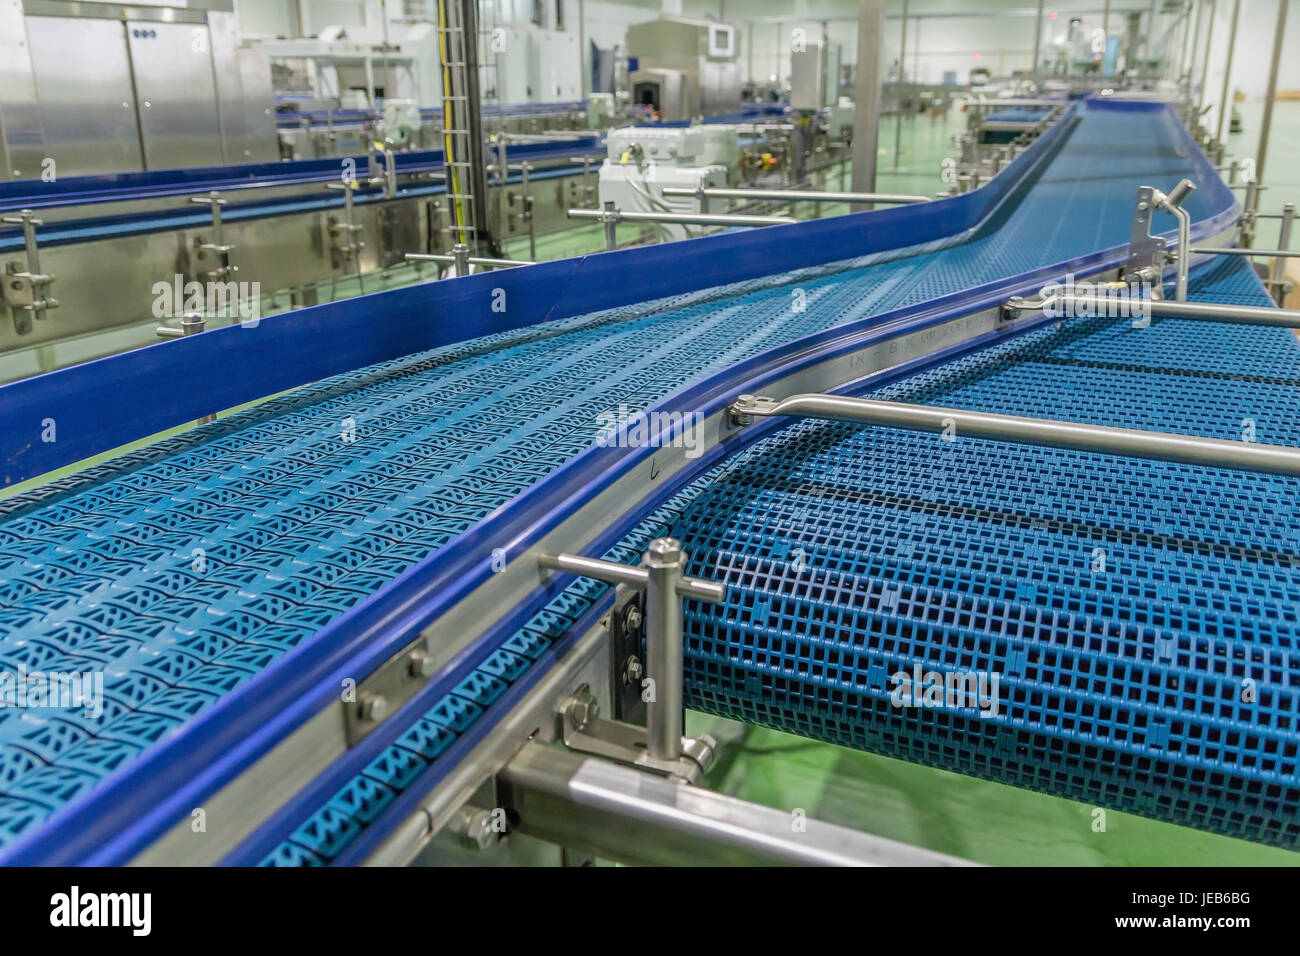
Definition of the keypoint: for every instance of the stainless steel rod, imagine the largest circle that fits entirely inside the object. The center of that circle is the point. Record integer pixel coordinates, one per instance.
(630, 575)
(473, 260)
(793, 195)
(1075, 436)
(1226, 104)
(665, 562)
(689, 219)
(1235, 251)
(1164, 309)
(1266, 124)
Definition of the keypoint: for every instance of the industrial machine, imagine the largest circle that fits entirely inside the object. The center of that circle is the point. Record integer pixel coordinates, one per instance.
(446, 589)
(91, 88)
(685, 67)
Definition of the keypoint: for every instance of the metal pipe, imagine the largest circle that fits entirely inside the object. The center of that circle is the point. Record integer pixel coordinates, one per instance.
(470, 260)
(1074, 436)
(624, 814)
(1038, 38)
(681, 218)
(1184, 240)
(460, 255)
(1078, 303)
(636, 577)
(1205, 62)
(1267, 123)
(665, 563)
(1226, 108)
(793, 195)
(866, 98)
(1253, 253)
(1283, 242)
(902, 65)
(611, 225)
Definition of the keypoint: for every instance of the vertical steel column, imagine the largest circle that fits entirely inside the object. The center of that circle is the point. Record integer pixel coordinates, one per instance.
(902, 65)
(1283, 243)
(1267, 123)
(1226, 108)
(468, 17)
(1038, 38)
(666, 563)
(1205, 63)
(611, 226)
(866, 113)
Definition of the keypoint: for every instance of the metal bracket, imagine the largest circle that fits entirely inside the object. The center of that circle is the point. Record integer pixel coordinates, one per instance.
(217, 252)
(1147, 254)
(27, 293)
(583, 730)
(395, 682)
(627, 663)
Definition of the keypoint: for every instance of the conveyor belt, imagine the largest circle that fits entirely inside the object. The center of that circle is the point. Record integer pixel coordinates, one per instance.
(184, 569)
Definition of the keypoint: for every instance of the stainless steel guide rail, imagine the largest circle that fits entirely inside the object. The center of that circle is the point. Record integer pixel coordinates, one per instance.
(1073, 436)
(792, 195)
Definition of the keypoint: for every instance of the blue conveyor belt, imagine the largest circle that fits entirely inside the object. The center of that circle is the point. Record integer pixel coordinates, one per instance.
(184, 569)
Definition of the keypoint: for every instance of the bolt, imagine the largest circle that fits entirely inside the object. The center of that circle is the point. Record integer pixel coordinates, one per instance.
(633, 671)
(374, 708)
(632, 619)
(474, 828)
(583, 708)
(421, 665)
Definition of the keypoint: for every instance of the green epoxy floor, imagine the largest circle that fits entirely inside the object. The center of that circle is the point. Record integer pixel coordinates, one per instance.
(977, 820)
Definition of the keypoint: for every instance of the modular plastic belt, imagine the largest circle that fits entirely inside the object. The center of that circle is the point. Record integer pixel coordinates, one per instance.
(184, 569)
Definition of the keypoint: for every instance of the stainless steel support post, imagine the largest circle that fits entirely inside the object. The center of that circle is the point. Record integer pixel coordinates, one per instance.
(1277, 273)
(662, 577)
(460, 252)
(1225, 108)
(611, 226)
(866, 116)
(663, 616)
(1267, 123)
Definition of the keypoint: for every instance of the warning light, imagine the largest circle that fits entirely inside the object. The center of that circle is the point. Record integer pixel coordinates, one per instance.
(1051, 16)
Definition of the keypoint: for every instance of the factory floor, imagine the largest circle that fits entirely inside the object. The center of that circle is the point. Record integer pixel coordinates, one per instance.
(974, 819)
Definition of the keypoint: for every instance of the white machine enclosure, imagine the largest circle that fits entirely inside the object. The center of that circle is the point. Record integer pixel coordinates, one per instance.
(642, 160)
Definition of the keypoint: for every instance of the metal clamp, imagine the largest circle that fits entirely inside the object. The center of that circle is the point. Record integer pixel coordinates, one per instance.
(1147, 254)
(660, 747)
(343, 232)
(216, 251)
(27, 293)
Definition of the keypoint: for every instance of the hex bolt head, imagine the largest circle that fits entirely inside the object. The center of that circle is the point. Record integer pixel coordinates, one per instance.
(632, 619)
(633, 671)
(421, 665)
(374, 707)
(584, 709)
